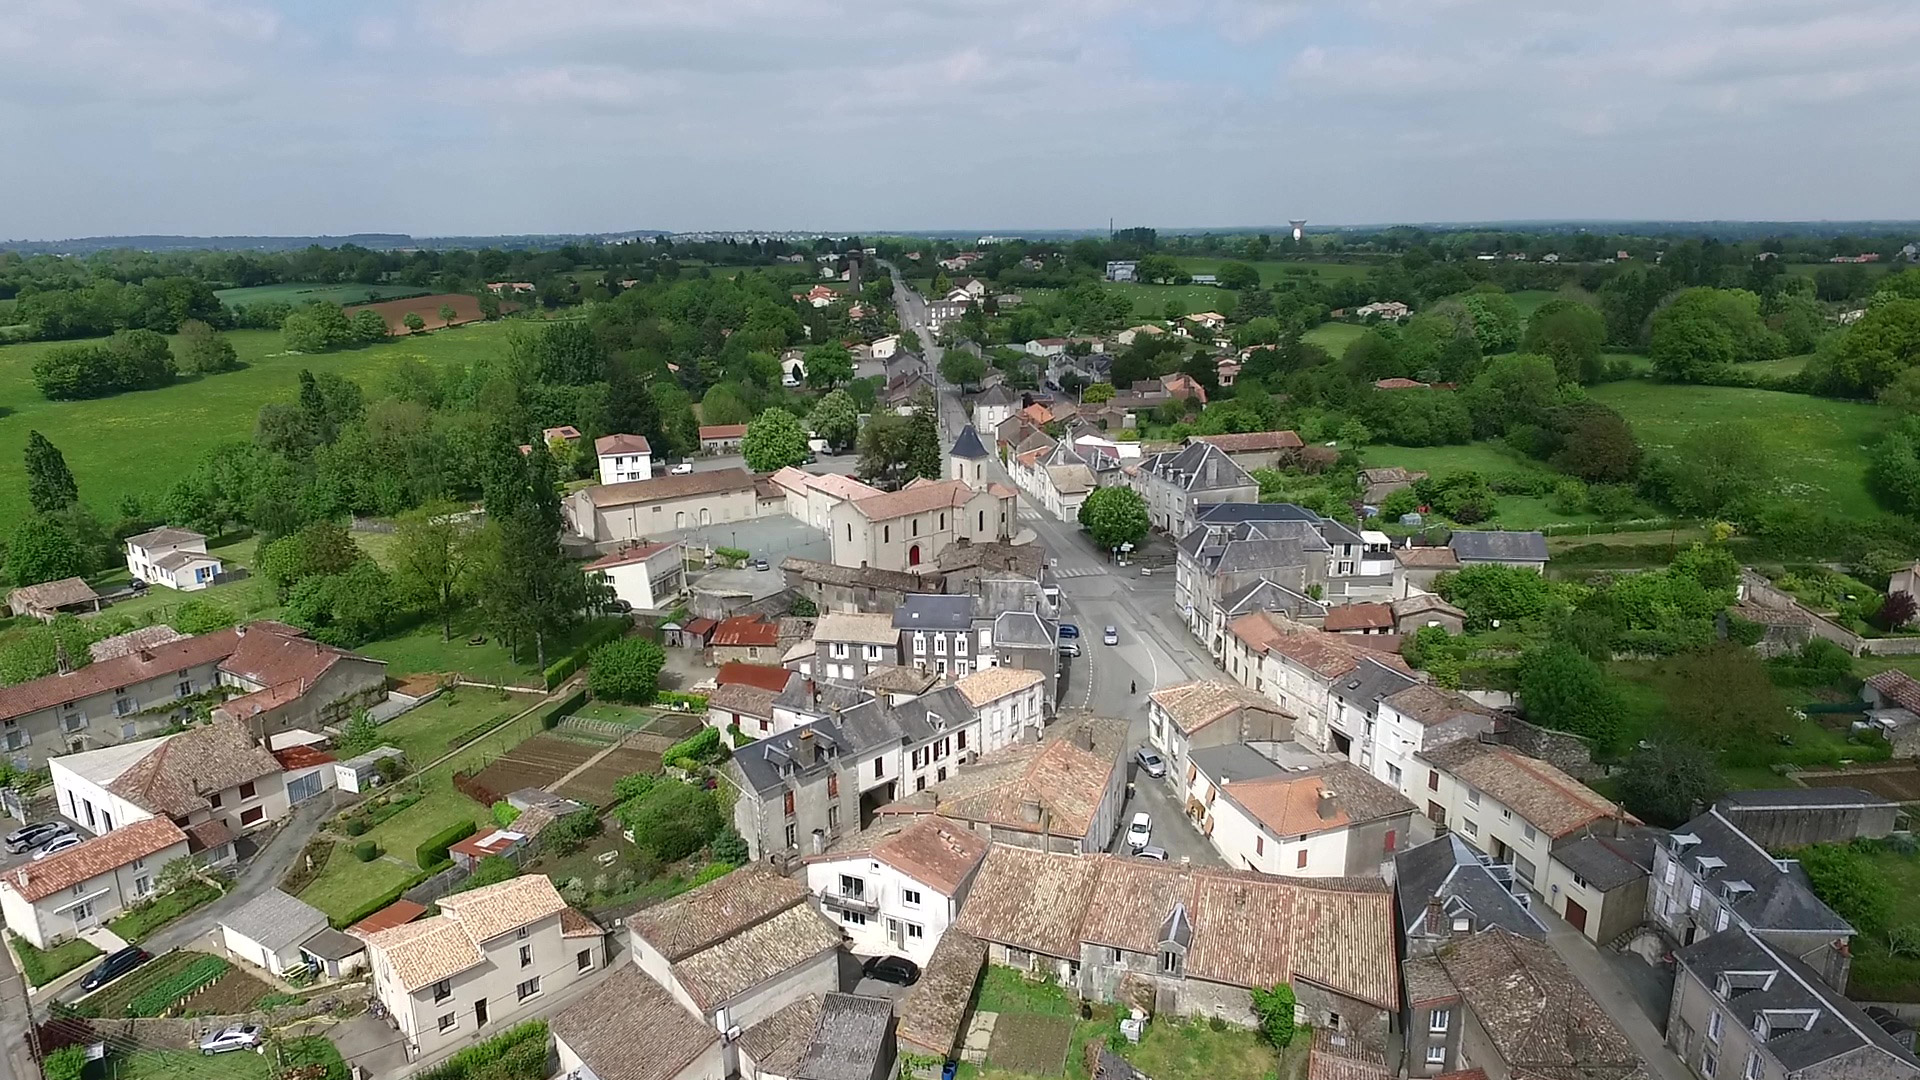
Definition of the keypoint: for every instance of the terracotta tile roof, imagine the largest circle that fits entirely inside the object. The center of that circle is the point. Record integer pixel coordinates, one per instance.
(745, 630)
(722, 431)
(765, 676)
(175, 778)
(91, 858)
(645, 1035)
(832, 484)
(916, 498)
(145, 639)
(626, 556)
(1541, 794)
(697, 919)
(267, 658)
(865, 628)
(1338, 1056)
(777, 1043)
(1539, 1017)
(1398, 384)
(1897, 687)
(1358, 617)
(933, 850)
(491, 910)
(1066, 780)
(424, 952)
(49, 595)
(701, 626)
(758, 954)
(661, 488)
(302, 757)
(933, 1008)
(1337, 933)
(1194, 705)
(1427, 704)
(1290, 804)
(1252, 441)
(1255, 629)
(398, 913)
(106, 675)
(211, 833)
(991, 684)
(578, 924)
(622, 444)
(1331, 655)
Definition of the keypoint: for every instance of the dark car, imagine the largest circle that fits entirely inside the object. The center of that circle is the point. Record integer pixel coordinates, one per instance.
(893, 969)
(32, 836)
(114, 966)
(1069, 630)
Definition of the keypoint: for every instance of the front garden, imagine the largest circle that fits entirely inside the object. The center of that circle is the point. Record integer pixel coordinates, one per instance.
(42, 966)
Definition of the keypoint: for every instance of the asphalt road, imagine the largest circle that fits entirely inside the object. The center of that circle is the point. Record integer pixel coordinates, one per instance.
(1154, 650)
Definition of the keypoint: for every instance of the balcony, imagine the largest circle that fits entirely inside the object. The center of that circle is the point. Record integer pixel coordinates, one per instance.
(834, 898)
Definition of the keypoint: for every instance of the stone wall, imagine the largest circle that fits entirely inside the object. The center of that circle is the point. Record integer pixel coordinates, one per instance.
(1570, 753)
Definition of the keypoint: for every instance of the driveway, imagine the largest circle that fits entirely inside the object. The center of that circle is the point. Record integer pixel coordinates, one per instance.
(263, 872)
(1171, 829)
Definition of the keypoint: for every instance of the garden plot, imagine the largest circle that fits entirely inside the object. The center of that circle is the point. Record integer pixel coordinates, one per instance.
(537, 762)
(594, 787)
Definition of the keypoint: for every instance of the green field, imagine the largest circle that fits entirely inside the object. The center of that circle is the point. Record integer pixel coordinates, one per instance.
(186, 1065)
(304, 292)
(1487, 459)
(1334, 336)
(1818, 445)
(1273, 271)
(135, 443)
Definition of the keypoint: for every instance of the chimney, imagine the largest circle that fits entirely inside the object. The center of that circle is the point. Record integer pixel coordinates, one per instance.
(61, 660)
(20, 876)
(1619, 812)
(1225, 779)
(1086, 737)
(1436, 918)
(806, 733)
(1328, 811)
(1030, 811)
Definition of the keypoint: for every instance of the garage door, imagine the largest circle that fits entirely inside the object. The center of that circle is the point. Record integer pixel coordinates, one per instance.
(1576, 916)
(304, 787)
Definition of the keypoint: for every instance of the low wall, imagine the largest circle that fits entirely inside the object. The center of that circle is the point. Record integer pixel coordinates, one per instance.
(1570, 753)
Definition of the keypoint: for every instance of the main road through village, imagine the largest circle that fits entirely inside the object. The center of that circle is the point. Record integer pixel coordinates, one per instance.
(1155, 647)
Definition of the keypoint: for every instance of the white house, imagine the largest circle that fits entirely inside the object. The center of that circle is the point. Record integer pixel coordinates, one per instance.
(1327, 821)
(1513, 808)
(48, 901)
(268, 930)
(1008, 701)
(885, 348)
(812, 497)
(793, 368)
(175, 558)
(209, 773)
(993, 407)
(1052, 346)
(624, 458)
(648, 576)
(899, 891)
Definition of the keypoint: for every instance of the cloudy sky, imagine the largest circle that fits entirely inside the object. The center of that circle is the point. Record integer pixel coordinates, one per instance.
(437, 117)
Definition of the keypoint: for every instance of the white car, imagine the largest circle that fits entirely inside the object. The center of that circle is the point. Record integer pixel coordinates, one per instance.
(57, 845)
(1141, 831)
(681, 469)
(237, 1037)
(1112, 635)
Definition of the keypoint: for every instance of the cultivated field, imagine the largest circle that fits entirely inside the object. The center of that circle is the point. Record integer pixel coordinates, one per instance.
(466, 309)
(1900, 783)
(305, 292)
(594, 787)
(537, 762)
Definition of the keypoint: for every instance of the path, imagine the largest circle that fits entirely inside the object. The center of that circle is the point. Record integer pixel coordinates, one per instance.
(1614, 994)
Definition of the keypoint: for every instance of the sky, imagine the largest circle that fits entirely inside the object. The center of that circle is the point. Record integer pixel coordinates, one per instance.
(483, 117)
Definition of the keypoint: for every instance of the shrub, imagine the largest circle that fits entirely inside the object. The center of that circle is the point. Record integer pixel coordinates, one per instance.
(355, 826)
(64, 1064)
(510, 1055)
(608, 630)
(729, 847)
(673, 820)
(433, 850)
(626, 670)
(504, 813)
(366, 851)
(633, 785)
(1214, 1023)
(1275, 1009)
(571, 833)
(1846, 880)
(701, 748)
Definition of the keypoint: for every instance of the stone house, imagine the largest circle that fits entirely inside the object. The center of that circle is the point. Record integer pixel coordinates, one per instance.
(912, 526)
(1791, 817)
(210, 773)
(1174, 483)
(936, 633)
(637, 510)
(1255, 449)
(1186, 716)
(850, 646)
(850, 588)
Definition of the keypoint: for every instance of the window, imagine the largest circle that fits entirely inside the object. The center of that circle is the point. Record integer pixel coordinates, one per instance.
(793, 836)
(886, 534)
(139, 864)
(1715, 1022)
(447, 1020)
(833, 785)
(122, 706)
(247, 790)
(1170, 963)
(526, 956)
(1393, 775)
(852, 886)
(1469, 828)
(1333, 1020)
(215, 799)
(916, 526)
(1393, 837)
(853, 918)
(529, 988)
(1709, 1062)
(1433, 780)
(1439, 1020)
(915, 931)
(1693, 901)
(1528, 832)
(1436, 1055)
(910, 897)
(837, 650)
(1722, 920)
(1753, 1065)
(1667, 875)
(583, 960)
(789, 802)
(919, 644)
(879, 768)
(185, 687)
(960, 644)
(442, 990)
(833, 817)
(1473, 796)
(1505, 814)
(1259, 845)
(961, 737)
(943, 774)
(983, 521)
(253, 815)
(919, 783)
(940, 645)
(142, 885)
(1462, 924)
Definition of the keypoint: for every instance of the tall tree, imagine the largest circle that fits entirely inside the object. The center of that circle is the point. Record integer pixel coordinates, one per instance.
(925, 456)
(432, 558)
(534, 590)
(774, 440)
(1115, 516)
(50, 484)
(207, 351)
(836, 419)
(40, 550)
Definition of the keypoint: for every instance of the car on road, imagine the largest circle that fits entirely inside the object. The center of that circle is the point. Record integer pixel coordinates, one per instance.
(1068, 630)
(35, 834)
(1150, 763)
(57, 845)
(1151, 852)
(114, 966)
(681, 469)
(237, 1037)
(1069, 648)
(1141, 831)
(1112, 635)
(894, 969)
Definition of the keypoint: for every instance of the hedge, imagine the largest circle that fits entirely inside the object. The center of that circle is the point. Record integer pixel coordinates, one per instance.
(608, 630)
(385, 898)
(366, 851)
(509, 1055)
(164, 994)
(433, 850)
(559, 710)
(693, 702)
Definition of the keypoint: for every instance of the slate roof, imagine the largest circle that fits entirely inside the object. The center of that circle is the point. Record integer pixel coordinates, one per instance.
(1538, 1016)
(1778, 897)
(933, 1009)
(1497, 545)
(1334, 932)
(1539, 793)
(165, 537)
(1606, 861)
(1199, 467)
(1370, 682)
(849, 1040)
(1447, 869)
(927, 611)
(91, 858)
(1194, 705)
(712, 912)
(644, 1015)
(967, 445)
(1026, 629)
(1801, 798)
(1266, 595)
(1838, 1025)
(1228, 514)
(274, 919)
(1237, 761)
(765, 765)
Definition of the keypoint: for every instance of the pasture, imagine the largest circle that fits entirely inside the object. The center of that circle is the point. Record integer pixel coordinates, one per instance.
(136, 443)
(1274, 271)
(306, 292)
(1488, 459)
(1817, 445)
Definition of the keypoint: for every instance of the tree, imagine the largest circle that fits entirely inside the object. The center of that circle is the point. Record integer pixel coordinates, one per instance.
(40, 550)
(724, 404)
(447, 315)
(1490, 591)
(1873, 352)
(369, 326)
(1237, 276)
(1847, 881)
(1275, 1008)
(1096, 393)
(1564, 690)
(1493, 319)
(1571, 334)
(347, 608)
(1115, 516)
(1717, 467)
(828, 366)
(1600, 448)
(431, 559)
(925, 457)
(491, 870)
(206, 351)
(560, 354)
(50, 485)
(1512, 392)
(961, 368)
(1723, 697)
(672, 820)
(626, 670)
(1702, 330)
(1664, 784)
(413, 322)
(885, 445)
(489, 302)
(774, 440)
(361, 735)
(1895, 612)
(527, 584)
(836, 419)
(320, 549)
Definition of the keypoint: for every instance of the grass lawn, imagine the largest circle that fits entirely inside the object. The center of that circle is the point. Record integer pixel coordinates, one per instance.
(402, 834)
(1786, 365)
(42, 966)
(347, 883)
(1878, 975)
(424, 732)
(1273, 271)
(1334, 336)
(141, 921)
(611, 713)
(1487, 459)
(422, 650)
(1150, 301)
(187, 1065)
(306, 292)
(1817, 444)
(118, 445)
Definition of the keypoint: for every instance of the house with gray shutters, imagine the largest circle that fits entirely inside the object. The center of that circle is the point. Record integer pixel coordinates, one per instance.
(1176, 483)
(936, 633)
(849, 646)
(1209, 566)
(1745, 1007)
(1497, 547)
(1710, 878)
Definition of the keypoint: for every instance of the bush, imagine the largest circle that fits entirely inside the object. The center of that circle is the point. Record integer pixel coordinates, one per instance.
(626, 670)
(729, 847)
(673, 820)
(697, 750)
(510, 1055)
(571, 833)
(354, 826)
(609, 629)
(504, 813)
(313, 1052)
(64, 1064)
(632, 786)
(366, 851)
(1845, 879)
(561, 709)
(433, 850)
(1275, 1009)
(690, 702)
(163, 995)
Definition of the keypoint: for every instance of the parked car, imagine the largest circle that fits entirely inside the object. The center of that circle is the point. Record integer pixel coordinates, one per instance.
(1069, 648)
(1112, 636)
(1150, 763)
(681, 469)
(114, 966)
(57, 845)
(1141, 831)
(893, 969)
(35, 834)
(758, 564)
(1151, 852)
(1068, 630)
(237, 1037)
